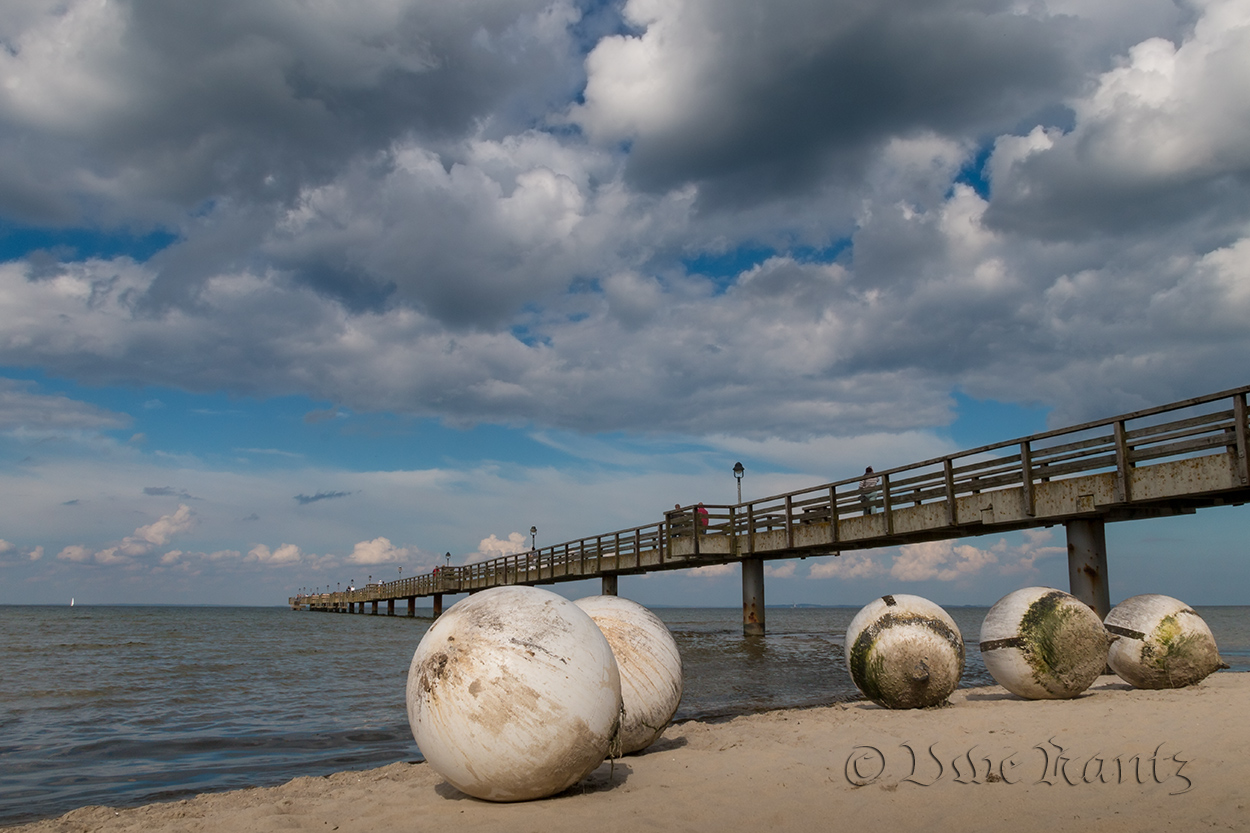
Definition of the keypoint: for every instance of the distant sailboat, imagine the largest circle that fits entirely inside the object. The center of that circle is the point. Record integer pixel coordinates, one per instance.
(71, 601)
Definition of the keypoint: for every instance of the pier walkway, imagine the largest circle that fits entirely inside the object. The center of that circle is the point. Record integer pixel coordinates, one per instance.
(1169, 460)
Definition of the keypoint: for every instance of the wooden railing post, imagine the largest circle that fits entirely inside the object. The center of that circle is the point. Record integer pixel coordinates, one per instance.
(1123, 481)
(952, 516)
(1239, 417)
(885, 500)
(751, 528)
(833, 514)
(1026, 474)
(789, 523)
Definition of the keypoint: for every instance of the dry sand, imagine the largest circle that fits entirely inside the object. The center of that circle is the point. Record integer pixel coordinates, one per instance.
(1114, 759)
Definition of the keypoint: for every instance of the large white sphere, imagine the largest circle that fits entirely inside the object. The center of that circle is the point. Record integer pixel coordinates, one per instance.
(514, 694)
(1043, 644)
(904, 652)
(1163, 643)
(649, 662)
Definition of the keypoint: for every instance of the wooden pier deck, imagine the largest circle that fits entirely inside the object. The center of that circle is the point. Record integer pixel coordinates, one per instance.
(1169, 460)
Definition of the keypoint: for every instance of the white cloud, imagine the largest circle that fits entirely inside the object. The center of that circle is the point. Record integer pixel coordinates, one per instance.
(940, 561)
(284, 555)
(943, 561)
(76, 553)
(494, 547)
(382, 551)
(783, 570)
(714, 571)
(159, 532)
(851, 565)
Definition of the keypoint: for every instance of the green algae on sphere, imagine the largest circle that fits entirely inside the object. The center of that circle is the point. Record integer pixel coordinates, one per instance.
(1162, 643)
(904, 652)
(1043, 644)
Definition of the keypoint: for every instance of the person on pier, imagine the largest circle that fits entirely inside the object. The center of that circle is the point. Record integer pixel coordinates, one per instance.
(869, 491)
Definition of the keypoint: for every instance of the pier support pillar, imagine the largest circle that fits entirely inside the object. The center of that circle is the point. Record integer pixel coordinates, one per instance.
(753, 596)
(438, 605)
(1087, 564)
(609, 585)
(412, 606)
(390, 607)
(375, 607)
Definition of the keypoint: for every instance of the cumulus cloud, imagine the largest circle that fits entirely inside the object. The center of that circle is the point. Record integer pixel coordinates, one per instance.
(495, 547)
(668, 217)
(382, 551)
(285, 554)
(180, 557)
(161, 531)
(851, 565)
(76, 553)
(714, 571)
(942, 560)
(140, 543)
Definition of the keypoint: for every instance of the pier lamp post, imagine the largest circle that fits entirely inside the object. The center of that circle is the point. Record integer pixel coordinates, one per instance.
(533, 537)
(738, 472)
(448, 557)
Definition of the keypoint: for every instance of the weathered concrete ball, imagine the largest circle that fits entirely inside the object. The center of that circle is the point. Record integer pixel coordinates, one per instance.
(1163, 643)
(514, 694)
(1043, 644)
(650, 666)
(904, 652)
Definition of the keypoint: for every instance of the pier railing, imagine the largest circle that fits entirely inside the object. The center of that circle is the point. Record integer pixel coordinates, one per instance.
(1169, 458)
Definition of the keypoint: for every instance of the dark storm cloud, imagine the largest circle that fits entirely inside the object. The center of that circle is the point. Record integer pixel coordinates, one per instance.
(170, 104)
(777, 100)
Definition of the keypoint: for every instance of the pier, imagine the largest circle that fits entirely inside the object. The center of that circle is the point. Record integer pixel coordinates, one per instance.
(1170, 460)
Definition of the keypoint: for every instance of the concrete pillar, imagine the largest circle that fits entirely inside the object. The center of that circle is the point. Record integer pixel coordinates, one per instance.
(753, 596)
(375, 607)
(412, 606)
(609, 585)
(1087, 564)
(438, 605)
(390, 607)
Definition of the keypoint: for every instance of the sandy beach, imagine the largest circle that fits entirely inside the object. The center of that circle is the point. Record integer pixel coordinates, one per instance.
(1113, 759)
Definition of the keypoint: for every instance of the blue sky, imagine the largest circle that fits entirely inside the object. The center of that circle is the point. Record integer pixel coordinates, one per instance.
(390, 283)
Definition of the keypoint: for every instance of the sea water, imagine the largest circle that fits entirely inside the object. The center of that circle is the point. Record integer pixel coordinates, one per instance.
(127, 705)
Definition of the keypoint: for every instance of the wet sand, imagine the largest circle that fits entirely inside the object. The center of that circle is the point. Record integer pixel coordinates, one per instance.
(1114, 759)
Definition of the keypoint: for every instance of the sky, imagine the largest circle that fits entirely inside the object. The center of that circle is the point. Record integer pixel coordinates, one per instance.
(299, 293)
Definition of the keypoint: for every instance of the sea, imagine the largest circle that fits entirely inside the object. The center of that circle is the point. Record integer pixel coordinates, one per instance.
(123, 706)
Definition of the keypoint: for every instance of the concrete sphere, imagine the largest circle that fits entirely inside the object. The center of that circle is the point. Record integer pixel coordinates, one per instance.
(1162, 644)
(1043, 644)
(649, 662)
(513, 694)
(904, 652)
